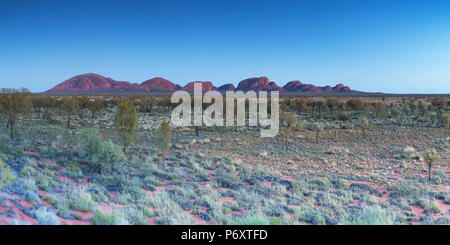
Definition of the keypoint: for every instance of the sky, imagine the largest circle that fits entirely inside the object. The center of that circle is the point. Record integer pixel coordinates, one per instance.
(390, 46)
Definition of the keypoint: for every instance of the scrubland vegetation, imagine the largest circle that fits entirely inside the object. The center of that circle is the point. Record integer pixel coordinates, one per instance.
(108, 160)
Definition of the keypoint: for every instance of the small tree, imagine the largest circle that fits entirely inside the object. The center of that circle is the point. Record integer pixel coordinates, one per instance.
(146, 104)
(332, 104)
(95, 107)
(430, 156)
(301, 105)
(380, 109)
(439, 102)
(163, 137)
(83, 102)
(38, 103)
(364, 126)
(69, 107)
(318, 127)
(290, 124)
(13, 104)
(126, 123)
(355, 104)
(446, 120)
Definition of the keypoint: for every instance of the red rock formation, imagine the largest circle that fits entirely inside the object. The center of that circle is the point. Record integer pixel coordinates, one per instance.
(206, 86)
(226, 87)
(158, 84)
(96, 83)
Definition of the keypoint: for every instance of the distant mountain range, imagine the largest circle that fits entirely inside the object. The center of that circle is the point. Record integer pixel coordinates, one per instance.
(95, 83)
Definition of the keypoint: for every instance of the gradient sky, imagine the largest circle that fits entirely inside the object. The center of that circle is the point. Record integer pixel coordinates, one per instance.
(376, 46)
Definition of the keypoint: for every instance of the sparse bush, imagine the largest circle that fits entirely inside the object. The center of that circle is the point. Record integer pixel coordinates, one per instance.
(102, 156)
(364, 126)
(318, 127)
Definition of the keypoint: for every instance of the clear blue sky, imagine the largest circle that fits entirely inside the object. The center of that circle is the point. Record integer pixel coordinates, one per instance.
(386, 46)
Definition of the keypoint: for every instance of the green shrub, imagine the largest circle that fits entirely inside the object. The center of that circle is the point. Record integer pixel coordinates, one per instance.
(5, 174)
(102, 156)
(126, 123)
(163, 137)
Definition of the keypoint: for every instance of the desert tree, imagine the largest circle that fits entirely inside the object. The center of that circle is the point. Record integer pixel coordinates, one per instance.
(14, 104)
(364, 126)
(69, 108)
(445, 118)
(320, 105)
(355, 104)
(38, 103)
(95, 106)
(332, 104)
(439, 102)
(126, 123)
(430, 156)
(367, 107)
(146, 104)
(163, 136)
(290, 125)
(380, 109)
(300, 105)
(422, 108)
(318, 127)
(83, 102)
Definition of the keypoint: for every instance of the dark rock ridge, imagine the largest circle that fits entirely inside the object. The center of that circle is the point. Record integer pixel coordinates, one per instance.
(91, 82)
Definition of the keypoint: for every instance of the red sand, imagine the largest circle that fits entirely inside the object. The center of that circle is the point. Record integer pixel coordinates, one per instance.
(227, 199)
(32, 153)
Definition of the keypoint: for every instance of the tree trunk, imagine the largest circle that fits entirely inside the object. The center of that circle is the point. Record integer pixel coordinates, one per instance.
(317, 137)
(286, 145)
(12, 129)
(429, 171)
(68, 120)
